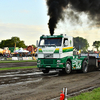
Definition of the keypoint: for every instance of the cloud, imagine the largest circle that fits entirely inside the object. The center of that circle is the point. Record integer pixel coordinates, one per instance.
(21, 11)
(28, 33)
(91, 34)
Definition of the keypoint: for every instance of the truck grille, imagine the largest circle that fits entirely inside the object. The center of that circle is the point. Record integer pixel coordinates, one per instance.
(48, 61)
(48, 55)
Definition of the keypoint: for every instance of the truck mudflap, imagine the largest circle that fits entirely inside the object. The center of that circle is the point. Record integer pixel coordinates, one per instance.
(98, 62)
(93, 63)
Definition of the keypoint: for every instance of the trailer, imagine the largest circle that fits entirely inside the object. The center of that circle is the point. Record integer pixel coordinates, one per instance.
(57, 53)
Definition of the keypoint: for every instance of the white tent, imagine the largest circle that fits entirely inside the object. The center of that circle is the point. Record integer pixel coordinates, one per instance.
(21, 50)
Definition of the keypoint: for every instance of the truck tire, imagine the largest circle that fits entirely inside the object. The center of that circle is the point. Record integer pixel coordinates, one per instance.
(45, 71)
(68, 67)
(85, 66)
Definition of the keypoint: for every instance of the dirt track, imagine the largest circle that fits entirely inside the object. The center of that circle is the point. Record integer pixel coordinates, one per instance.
(2, 65)
(33, 85)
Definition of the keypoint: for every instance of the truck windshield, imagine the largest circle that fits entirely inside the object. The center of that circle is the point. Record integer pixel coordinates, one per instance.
(50, 42)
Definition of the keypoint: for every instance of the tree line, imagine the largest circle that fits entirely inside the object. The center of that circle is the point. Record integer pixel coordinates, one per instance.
(14, 41)
(82, 44)
(79, 43)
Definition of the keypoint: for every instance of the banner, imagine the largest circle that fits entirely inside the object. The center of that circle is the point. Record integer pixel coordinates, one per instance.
(27, 58)
(14, 58)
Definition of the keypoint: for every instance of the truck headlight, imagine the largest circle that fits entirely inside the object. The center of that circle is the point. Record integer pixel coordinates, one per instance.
(38, 61)
(58, 61)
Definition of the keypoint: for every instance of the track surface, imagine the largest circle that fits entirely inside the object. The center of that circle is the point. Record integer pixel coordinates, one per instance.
(2, 65)
(34, 85)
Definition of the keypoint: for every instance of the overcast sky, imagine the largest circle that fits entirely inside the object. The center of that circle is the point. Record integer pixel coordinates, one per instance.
(27, 19)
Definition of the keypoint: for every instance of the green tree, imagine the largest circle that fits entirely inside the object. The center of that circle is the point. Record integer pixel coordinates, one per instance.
(21, 44)
(96, 44)
(12, 42)
(80, 43)
(2, 44)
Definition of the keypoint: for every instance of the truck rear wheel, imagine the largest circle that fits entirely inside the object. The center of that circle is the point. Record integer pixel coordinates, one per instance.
(68, 67)
(85, 66)
(45, 71)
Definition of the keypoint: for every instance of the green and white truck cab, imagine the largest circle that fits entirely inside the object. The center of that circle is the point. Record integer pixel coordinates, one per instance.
(57, 52)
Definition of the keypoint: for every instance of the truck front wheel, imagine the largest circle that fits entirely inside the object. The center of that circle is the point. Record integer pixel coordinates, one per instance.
(68, 67)
(45, 71)
(85, 66)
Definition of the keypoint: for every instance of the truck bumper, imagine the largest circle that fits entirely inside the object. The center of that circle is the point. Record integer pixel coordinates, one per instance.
(50, 63)
(50, 66)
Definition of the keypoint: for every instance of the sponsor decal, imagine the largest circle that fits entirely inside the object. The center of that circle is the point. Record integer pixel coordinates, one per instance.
(47, 50)
(76, 64)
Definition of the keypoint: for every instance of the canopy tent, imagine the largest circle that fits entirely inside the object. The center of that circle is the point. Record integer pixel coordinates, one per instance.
(21, 50)
(1, 51)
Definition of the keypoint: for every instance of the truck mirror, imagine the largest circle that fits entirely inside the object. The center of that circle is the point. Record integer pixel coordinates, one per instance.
(66, 42)
(37, 43)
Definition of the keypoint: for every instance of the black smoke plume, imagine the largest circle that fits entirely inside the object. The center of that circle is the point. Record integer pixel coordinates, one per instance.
(56, 10)
(90, 7)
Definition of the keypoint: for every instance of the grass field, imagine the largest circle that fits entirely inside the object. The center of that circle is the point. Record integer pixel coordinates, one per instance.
(16, 68)
(93, 95)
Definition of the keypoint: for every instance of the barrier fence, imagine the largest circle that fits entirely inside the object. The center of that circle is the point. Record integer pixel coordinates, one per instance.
(16, 58)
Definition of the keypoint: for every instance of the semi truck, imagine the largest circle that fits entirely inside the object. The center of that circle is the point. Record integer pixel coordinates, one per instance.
(56, 52)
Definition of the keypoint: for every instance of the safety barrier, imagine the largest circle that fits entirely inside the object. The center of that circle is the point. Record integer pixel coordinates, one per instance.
(16, 58)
